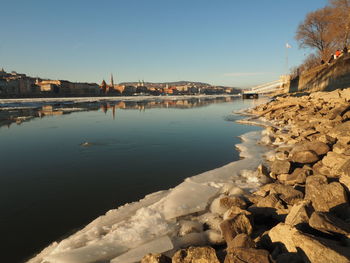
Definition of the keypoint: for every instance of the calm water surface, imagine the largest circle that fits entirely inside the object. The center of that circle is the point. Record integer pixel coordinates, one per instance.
(60, 171)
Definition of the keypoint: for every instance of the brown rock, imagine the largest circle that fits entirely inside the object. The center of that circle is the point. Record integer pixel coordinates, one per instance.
(335, 161)
(317, 147)
(304, 157)
(329, 223)
(235, 210)
(315, 250)
(228, 202)
(287, 193)
(280, 167)
(195, 255)
(341, 132)
(248, 255)
(241, 240)
(298, 176)
(324, 196)
(237, 225)
(345, 181)
(300, 213)
(272, 201)
(155, 258)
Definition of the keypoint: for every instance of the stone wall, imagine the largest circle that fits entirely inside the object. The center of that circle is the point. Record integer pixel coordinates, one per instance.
(326, 77)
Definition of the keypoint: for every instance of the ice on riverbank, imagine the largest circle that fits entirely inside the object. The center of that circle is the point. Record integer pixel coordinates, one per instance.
(154, 223)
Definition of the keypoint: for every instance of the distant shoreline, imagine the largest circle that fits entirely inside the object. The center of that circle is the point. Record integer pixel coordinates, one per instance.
(121, 98)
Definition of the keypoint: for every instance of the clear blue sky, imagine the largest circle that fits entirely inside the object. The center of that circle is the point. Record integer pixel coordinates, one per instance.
(224, 42)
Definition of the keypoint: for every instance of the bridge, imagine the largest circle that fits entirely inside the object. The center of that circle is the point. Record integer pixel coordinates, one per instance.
(268, 87)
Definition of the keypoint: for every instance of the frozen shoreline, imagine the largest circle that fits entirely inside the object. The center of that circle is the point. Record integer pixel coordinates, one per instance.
(123, 234)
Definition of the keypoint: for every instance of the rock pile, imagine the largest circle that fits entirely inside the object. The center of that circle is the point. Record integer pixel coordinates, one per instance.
(303, 214)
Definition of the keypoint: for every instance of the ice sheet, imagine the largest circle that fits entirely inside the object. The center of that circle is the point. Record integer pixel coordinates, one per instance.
(159, 245)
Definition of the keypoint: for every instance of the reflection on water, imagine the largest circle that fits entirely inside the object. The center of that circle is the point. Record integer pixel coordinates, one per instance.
(10, 114)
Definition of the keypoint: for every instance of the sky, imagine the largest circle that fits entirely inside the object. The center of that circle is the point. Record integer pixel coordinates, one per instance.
(239, 43)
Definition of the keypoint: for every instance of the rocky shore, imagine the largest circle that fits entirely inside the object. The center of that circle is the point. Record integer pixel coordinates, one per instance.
(302, 214)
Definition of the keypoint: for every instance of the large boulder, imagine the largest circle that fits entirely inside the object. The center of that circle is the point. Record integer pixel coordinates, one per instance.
(230, 228)
(313, 249)
(328, 223)
(317, 147)
(195, 254)
(304, 157)
(325, 197)
(298, 176)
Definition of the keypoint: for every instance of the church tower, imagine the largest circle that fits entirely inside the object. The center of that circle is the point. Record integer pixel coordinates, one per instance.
(112, 82)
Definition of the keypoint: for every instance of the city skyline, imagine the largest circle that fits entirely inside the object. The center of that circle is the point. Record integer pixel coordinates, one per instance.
(236, 44)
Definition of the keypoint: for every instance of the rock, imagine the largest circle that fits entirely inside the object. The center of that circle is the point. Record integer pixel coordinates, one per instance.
(325, 197)
(320, 169)
(317, 147)
(335, 161)
(345, 94)
(328, 223)
(242, 240)
(155, 258)
(237, 225)
(228, 202)
(298, 176)
(280, 167)
(313, 249)
(304, 157)
(345, 181)
(286, 193)
(248, 255)
(272, 201)
(289, 258)
(187, 226)
(300, 213)
(345, 169)
(341, 132)
(235, 210)
(195, 254)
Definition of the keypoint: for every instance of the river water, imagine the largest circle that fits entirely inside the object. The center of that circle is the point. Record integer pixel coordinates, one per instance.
(64, 164)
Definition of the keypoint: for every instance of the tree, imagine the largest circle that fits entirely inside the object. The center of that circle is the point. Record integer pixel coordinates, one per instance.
(316, 32)
(341, 21)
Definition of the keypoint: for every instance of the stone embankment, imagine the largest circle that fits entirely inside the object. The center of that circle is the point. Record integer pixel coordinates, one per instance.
(303, 213)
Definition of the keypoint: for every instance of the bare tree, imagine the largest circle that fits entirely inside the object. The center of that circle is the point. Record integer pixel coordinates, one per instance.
(341, 21)
(316, 32)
